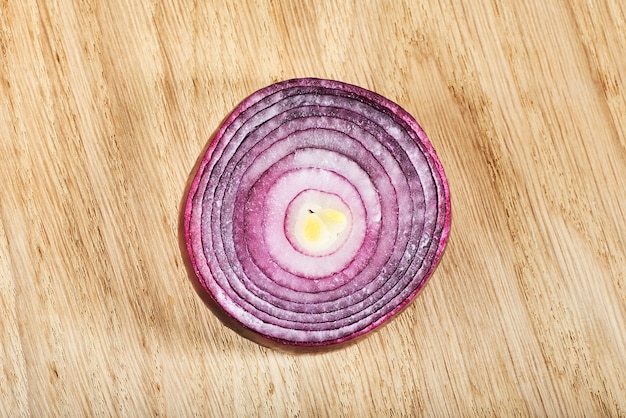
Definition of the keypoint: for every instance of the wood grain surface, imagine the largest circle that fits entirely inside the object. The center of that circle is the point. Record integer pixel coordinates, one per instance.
(106, 106)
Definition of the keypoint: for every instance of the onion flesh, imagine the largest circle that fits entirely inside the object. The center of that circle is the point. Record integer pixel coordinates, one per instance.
(318, 212)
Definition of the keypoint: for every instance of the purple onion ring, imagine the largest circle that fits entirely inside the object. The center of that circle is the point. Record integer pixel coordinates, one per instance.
(318, 212)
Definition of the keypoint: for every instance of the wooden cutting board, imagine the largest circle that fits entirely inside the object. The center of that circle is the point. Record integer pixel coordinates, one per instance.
(105, 108)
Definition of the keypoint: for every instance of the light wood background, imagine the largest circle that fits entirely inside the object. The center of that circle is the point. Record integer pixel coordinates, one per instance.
(106, 106)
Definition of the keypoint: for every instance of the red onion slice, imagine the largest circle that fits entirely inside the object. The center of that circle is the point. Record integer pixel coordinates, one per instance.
(318, 212)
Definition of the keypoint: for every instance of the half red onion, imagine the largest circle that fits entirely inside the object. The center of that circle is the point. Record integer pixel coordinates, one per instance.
(318, 212)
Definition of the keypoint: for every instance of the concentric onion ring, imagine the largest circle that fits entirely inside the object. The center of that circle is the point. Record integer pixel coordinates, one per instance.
(318, 212)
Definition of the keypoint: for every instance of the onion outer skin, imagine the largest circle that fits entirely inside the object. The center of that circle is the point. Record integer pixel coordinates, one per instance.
(285, 301)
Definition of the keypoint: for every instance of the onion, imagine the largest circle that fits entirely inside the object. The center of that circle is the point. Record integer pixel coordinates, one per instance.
(318, 212)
